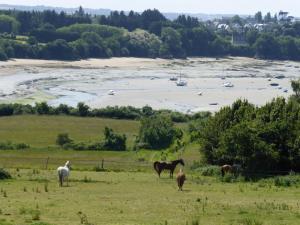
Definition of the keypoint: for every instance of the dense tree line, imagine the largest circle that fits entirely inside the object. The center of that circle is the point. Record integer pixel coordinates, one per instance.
(52, 35)
(31, 20)
(82, 110)
(262, 139)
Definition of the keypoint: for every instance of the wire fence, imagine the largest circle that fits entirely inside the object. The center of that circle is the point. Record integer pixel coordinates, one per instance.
(76, 163)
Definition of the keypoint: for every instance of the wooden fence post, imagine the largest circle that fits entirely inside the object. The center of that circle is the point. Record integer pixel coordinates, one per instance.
(47, 160)
(102, 164)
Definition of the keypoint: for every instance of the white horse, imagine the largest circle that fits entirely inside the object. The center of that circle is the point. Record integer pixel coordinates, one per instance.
(63, 173)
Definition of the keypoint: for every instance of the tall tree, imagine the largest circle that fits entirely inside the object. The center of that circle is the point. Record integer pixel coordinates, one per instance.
(258, 17)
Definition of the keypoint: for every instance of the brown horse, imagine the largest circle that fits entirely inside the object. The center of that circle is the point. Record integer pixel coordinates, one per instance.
(160, 166)
(180, 177)
(235, 169)
(226, 169)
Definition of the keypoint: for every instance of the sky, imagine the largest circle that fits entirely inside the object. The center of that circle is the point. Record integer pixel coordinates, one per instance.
(187, 6)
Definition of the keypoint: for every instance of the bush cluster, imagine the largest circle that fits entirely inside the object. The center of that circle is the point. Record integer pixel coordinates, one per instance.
(13, 146)
(157, 132)
(111, 142)
(4, 174)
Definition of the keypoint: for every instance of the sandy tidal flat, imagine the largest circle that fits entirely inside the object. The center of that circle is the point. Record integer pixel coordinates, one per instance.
(139, 82)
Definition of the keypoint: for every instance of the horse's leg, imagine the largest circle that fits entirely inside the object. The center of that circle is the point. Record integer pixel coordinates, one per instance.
(171, 172)
(60, 180)
(159, 171)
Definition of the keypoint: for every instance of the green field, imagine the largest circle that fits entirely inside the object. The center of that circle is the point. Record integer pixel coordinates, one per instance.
(41, 131)
(128, 192)
(142, 198)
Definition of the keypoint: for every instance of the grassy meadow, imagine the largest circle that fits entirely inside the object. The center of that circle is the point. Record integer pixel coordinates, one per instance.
(33, 197)
(41, 131)
(128, 191)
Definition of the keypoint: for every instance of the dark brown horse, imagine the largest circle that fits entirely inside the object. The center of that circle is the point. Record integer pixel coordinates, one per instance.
(235, 169)
(226, 169)
(160, 166)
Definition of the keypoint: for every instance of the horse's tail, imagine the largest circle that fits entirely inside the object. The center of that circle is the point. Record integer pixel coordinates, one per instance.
(223, 172)
(60, 177)
(155, 166)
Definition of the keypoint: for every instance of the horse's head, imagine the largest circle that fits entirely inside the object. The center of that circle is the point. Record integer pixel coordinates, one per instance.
(181, 161)
(68, 164)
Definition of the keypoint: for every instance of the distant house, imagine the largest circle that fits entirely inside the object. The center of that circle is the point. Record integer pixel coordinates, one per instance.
(282, 15)
(248, 26)
(223, 27)
(283, 18)
(259, 26)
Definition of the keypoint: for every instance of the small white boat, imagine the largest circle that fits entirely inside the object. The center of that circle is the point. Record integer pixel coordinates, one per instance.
(111, 92)
(181, 83)
(200, 93)
(228, 84)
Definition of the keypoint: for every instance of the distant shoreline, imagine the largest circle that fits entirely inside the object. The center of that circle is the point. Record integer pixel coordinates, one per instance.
(113, 61)
(142, 81)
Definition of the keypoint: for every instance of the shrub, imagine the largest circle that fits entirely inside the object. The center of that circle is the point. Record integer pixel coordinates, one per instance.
(20, 146)
(79, 146)
(114, 141)
(11, 146)
(83, 110)
(95, 146)
(210, 171)
(63, 139)
(6, 145)
(158, 131)
(6, 110)
(4, 174)
(3, 56)
(42, 108)
(286, 181)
